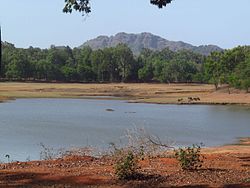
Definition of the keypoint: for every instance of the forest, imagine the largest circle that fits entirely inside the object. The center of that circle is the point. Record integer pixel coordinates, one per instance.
(119, 64)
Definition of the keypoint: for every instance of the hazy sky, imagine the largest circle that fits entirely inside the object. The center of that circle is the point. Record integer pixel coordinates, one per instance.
(40, 23)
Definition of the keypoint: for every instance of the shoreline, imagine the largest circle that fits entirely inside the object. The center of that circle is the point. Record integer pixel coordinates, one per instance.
(103, 97)
(223, 166)
(179, 94)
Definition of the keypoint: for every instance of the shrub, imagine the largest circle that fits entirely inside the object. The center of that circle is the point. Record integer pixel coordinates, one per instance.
(190, 157)
(138, 146)
(127, 166)
(47, 153)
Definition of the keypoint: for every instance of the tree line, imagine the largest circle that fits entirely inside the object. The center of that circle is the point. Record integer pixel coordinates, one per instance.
(119, 64)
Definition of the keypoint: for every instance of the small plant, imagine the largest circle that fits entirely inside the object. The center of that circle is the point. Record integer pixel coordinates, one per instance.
(127, 166)
(190, 158)
(139, 146)
(8, 157)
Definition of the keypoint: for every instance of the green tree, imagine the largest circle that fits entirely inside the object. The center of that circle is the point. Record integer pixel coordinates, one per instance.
(44, 70)
(84, 67)
(0, 51)
(214, 68)
(7, 53)
(135, 66)
(170, 71)
(146, 71)
(18, 66)
(124, 58)
(232, 57)
(230, 61)
(146, 74)
(200, 76)
(110, 65)
(158, 69)
(97, 58)
(243, 74)
(69, 73)
(178, 71)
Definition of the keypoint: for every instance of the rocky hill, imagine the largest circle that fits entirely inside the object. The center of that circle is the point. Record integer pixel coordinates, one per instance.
(147, 40)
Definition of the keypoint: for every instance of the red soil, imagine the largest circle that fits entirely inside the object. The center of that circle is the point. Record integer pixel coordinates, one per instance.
(221, 168)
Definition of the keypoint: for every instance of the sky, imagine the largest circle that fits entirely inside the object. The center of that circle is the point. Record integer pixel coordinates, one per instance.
(41, 23)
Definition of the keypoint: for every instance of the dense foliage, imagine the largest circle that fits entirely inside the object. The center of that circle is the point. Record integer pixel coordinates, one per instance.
(230, 67)
(118, 64)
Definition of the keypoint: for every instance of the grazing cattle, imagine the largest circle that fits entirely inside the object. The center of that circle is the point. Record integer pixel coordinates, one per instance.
(196, 99)
(193, 99)
(181, 99)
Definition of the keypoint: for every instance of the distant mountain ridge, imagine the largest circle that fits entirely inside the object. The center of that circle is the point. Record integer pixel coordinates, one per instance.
(147, 40)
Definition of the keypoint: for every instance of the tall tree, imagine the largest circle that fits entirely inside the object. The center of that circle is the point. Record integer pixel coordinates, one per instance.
(124, 58)
(19, 66)
(84, 68)
(110, 65)
(96, 64)
(242, 74)
(214, 68)
(83, 6)
(0, 51)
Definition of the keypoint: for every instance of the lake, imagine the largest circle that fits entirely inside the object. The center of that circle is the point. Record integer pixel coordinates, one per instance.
(65, 123)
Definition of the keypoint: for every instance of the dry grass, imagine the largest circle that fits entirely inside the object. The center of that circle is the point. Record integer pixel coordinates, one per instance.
(151, 93)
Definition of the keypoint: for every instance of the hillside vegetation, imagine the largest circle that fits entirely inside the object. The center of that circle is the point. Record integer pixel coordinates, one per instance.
(138, 42)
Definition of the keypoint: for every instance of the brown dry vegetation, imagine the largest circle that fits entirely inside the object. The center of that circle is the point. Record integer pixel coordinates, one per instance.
(222, 168)
(150, 93)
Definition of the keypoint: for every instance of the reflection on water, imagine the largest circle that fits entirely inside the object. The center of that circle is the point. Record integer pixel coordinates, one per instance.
(25, 123)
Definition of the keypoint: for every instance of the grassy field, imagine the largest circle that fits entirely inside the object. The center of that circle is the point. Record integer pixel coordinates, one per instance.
(150, 93)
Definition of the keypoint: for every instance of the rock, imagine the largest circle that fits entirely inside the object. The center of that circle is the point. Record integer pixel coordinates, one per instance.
(110, 110)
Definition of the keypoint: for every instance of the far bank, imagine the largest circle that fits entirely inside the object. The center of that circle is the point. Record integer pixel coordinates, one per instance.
(133, 92)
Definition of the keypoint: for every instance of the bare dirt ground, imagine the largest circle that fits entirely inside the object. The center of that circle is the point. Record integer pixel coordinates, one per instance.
(223, 167)
(150, 93)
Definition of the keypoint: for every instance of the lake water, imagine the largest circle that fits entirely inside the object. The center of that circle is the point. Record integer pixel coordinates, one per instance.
(25, 123)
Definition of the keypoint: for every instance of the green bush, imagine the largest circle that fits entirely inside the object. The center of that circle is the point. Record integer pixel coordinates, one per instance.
(190, 158)
(139, 145)
(126, 167)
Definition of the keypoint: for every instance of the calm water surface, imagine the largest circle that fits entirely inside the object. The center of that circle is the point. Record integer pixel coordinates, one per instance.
(25, 123)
